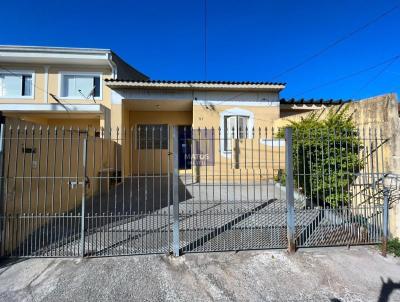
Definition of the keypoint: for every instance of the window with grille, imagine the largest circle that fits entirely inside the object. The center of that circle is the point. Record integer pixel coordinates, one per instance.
(152, 136)
(235, 127)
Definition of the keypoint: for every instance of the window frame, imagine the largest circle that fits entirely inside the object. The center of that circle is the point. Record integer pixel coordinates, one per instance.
(243, 134)
(61, 75)
(234, 112)
(21, 72)
(156, 146)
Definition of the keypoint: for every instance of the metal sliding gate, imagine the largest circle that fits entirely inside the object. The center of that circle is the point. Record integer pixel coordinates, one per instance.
(160, 189)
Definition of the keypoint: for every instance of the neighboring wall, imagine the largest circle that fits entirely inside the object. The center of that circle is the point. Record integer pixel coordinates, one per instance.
(382, 112)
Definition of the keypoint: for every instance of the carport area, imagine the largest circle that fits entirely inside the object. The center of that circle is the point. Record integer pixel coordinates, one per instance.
(212, 217)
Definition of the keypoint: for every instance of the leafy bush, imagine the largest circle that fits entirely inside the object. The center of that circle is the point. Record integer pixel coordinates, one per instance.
(393, 247)
(325, 156)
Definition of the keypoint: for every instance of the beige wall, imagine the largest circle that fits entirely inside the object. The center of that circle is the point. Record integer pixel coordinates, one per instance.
(264, 116)
(39, 95)
(256, 160)
(39, 183)
(69, 121)
(382, 112)
(53, 83)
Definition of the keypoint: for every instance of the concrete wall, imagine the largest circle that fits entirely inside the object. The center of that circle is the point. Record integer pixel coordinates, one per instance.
(382, 112)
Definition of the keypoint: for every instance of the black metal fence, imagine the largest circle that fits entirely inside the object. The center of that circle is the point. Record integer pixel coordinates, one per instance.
(171, 189)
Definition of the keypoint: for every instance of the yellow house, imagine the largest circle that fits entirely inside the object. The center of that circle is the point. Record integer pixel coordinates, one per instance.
(94, 88)
(218, 106)
(222, 132)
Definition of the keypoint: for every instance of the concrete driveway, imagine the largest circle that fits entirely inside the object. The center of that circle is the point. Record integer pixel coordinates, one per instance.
(329, 274)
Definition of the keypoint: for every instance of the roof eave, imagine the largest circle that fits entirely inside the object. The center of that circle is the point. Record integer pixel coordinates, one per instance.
(47, 49)
(191, 86)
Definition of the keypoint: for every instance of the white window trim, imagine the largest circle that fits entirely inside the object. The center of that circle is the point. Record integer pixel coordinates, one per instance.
(78, 73)
(230, 112)
(21, 71)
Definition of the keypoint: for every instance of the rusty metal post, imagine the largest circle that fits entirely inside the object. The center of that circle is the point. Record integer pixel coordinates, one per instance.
(290, 190)
(385, 220)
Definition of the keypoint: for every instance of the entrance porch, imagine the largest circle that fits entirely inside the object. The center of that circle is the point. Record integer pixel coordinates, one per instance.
(150, 124)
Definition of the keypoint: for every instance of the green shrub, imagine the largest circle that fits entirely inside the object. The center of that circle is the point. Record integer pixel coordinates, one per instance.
(393, 247)
(325, 156)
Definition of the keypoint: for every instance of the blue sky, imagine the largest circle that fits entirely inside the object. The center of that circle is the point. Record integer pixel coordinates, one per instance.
(247, 40)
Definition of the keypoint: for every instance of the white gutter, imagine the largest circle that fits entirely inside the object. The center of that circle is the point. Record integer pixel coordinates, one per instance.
(30, 108)
(46, 83)
(113, 66)
(70, 50)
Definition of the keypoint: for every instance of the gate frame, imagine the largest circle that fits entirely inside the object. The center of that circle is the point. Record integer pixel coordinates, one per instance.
(175, 193)
(291, 228)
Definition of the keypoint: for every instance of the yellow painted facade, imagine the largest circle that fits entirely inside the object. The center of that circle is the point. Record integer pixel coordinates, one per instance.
(256, 160)
(53, 74)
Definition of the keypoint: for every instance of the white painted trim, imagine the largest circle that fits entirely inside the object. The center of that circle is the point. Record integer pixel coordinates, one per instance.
(21, 71)
(237, 103)
(54, 49)
(46, 83)
(113, 66)
(51, 55)
(230, 112)
(62, 73)
(277, 142)
(116, 98)
(79, 108)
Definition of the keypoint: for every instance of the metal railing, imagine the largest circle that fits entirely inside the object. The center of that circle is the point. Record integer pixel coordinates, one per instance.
(339, 172)
(169, 189)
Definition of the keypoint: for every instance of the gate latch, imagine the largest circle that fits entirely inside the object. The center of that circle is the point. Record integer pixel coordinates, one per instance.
(73, 183)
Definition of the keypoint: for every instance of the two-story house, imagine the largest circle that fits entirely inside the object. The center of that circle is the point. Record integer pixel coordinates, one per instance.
(60, 86)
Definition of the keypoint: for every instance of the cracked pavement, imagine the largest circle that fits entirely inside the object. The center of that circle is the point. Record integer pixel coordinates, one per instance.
(323, 274)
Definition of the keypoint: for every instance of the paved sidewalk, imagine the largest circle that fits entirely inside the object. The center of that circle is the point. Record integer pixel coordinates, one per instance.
(329, 274)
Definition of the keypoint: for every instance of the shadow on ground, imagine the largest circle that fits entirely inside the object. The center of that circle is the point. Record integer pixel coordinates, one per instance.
(134, 196)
